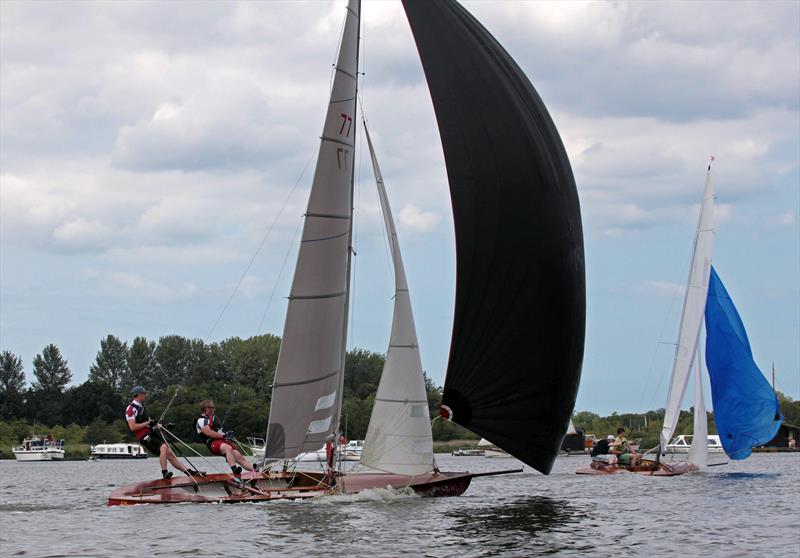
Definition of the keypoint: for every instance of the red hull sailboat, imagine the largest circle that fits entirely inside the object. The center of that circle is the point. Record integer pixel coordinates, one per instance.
(518, 331)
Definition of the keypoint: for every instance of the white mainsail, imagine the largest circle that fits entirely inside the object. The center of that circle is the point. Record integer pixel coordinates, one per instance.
(306, 394)
(694, 304)
(399, 438)
(698, 453)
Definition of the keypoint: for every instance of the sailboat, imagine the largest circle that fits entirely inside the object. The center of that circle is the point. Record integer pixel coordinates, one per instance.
(518, 330)
(746, 410)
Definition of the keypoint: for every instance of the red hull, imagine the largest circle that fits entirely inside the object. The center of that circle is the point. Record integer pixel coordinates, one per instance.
(222, 488)
(662, 470)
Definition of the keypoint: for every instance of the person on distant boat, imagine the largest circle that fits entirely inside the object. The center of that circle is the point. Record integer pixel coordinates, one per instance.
(602, 451)
(147, 433)
(620, 447)
(218, 441)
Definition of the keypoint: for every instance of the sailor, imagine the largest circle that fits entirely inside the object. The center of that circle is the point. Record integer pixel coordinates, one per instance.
(218, 441)
(620, 447)
(148, 434)
(601, 451)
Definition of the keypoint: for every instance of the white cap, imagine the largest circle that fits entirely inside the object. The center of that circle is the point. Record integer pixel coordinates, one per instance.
(610, 438)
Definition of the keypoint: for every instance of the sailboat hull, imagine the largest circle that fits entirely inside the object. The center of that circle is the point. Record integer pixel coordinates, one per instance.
(429, 484)
(648, 468)
(223, 488)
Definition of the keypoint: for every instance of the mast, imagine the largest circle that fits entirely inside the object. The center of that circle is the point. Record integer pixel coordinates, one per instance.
(353, 4)
(694, 302)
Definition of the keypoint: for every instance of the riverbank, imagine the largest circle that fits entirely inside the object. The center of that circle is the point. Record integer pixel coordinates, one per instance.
(81, 452)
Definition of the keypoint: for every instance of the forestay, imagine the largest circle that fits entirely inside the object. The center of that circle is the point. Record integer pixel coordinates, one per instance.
(306, 395)
(399, 438)
(694, 303)
(518, 329)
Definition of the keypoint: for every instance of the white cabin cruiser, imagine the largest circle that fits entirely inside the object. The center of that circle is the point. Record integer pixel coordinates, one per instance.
(39, 448)
(683, 443)
(118, 451)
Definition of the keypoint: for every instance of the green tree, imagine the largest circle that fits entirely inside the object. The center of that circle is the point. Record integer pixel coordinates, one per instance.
(90, 401)
(362, 368)
(100, 431)
(142, 365)
(111, 363)
(250, 362)
(12, 385)
(790, 409)
(12, 374)
(51, 371)
(177, 358)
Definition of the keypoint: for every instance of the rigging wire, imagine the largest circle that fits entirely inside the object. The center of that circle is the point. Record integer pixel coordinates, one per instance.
(258, 250)
(661, 342)
(387, 248)
(280, 274)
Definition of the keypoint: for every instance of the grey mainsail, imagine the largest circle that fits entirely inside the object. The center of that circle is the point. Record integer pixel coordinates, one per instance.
(307, 392)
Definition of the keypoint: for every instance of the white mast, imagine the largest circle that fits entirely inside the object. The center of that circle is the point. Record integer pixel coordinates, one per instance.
(399, 438)
(306, 395)
(694, 304)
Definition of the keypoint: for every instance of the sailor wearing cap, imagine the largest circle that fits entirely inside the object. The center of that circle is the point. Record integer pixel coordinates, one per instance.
(147, 432)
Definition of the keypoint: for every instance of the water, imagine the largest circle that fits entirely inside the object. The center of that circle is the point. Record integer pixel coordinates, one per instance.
(748, 508)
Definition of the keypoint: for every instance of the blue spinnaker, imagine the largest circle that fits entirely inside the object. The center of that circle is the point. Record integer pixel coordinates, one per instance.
(746, 410)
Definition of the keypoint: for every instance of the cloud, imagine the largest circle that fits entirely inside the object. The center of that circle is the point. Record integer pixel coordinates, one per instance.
(785, 219)
(677, 63)
(137, 285)
(658, 289)
(80, 234)
(417, 220)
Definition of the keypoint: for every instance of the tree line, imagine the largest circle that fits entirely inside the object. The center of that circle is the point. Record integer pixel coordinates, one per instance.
(236, 373)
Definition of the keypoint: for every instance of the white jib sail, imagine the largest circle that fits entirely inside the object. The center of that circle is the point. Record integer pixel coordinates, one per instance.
(698, 453)
(571, 428)
(399, 438)
(306, 394)
(694, 304)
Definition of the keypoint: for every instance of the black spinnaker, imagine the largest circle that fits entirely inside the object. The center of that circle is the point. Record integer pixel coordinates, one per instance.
(518, 329)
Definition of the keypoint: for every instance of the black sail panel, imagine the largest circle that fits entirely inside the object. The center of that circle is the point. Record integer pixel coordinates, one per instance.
(518, 329)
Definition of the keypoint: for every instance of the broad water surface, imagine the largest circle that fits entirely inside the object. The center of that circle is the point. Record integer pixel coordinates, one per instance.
(747, 508)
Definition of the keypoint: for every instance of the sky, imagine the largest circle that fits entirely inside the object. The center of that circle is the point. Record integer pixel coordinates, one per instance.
(155, 161)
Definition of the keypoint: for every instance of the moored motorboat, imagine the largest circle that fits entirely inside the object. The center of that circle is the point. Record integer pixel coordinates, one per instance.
(683, 443)
(118, 451)
(39, 448)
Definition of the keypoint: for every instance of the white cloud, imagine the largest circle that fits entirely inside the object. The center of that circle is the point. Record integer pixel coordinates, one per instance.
(417, 220)
(139, 286)
(80, 234)
(659, 289)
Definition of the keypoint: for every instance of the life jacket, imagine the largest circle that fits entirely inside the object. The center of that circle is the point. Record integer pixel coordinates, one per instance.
(136, 410)
(600, 448)
(202, 421)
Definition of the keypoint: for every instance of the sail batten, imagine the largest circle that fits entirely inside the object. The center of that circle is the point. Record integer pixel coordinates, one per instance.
(311, 359)
(518, 330)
